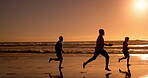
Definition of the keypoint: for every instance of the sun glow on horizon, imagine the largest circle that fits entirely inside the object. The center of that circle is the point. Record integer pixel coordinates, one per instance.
(141, 5)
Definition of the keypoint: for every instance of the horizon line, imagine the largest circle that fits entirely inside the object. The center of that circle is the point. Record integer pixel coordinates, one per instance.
(76, 40)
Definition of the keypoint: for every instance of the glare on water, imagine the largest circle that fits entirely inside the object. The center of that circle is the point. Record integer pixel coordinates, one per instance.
(142, 56)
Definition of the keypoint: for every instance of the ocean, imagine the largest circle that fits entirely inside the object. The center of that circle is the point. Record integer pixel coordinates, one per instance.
(83, 47)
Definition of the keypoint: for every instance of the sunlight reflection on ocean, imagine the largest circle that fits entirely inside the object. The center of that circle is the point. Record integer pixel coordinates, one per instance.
(144, 57)
(146, 76)
(141, 56)
(140, 45)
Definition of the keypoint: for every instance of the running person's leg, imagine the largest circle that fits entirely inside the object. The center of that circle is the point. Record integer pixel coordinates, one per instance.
(128, 57)
(56, 59)
(122, 58)
(91, 59)
(105, 54)
(126, 54)
(61, 60)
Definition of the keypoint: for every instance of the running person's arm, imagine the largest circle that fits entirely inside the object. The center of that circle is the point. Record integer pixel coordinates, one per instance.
(108, 44)
(63, 51)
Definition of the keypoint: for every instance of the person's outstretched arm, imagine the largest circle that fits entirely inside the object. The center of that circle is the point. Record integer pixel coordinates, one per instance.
(108, 44)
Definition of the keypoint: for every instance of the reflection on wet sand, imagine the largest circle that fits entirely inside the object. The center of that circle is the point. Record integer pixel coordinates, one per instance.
(141, 56)
(57, 76)
(127, 73)
(107, 75)
(144, 57)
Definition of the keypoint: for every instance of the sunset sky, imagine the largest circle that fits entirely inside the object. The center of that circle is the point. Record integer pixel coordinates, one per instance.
(75, 20)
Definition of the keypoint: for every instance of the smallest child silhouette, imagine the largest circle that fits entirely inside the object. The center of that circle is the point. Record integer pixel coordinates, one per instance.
(125, 51)
(58, 49)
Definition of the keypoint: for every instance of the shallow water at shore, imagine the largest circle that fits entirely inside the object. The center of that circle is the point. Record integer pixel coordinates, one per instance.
(33, 65)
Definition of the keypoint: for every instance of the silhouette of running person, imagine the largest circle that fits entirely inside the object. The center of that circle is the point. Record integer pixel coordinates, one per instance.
(99, 49)
(58, 49)
(125, 51)
(127, 74)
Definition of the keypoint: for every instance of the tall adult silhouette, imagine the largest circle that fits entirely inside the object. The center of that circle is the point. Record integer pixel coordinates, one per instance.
(58, 49)
(99, 49)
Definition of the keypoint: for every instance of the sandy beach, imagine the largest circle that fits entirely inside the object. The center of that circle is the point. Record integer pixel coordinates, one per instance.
(35, 65)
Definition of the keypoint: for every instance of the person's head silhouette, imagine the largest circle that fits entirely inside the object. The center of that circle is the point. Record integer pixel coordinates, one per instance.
(101, 32)
(126, 38)
(60, 38)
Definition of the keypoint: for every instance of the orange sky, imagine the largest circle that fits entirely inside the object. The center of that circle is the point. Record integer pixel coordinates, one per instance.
(76, 20)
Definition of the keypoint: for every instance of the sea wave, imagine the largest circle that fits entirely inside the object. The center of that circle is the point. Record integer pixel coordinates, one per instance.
(136, 47)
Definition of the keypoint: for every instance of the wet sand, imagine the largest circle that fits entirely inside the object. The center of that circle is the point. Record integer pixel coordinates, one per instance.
(35, 65)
